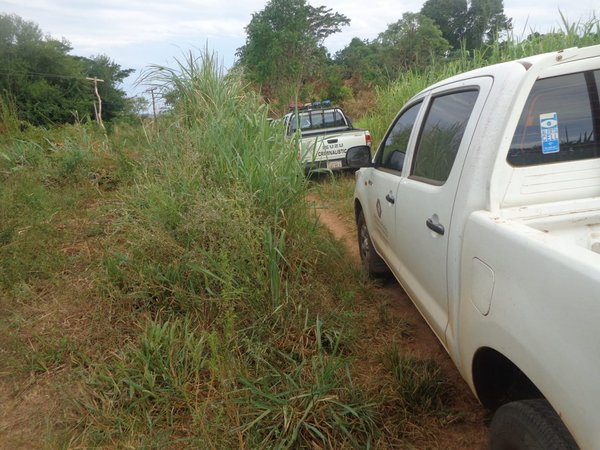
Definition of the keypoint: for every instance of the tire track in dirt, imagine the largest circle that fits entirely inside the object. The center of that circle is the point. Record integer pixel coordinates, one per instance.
(471, 432)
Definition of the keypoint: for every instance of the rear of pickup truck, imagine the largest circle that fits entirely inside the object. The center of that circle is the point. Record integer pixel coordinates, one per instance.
(328, 150)
(531, 293)
(527, 325)
(326, 138)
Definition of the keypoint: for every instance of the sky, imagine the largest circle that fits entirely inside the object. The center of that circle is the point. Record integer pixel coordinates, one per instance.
(139, 33)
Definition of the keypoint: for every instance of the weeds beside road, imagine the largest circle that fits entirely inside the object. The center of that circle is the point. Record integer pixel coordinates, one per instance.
(172, 289)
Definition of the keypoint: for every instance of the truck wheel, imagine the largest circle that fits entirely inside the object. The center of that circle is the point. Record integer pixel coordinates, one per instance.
(529, 425)
(375, 266)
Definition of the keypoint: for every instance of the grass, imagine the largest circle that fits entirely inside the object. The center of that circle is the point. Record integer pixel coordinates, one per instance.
(308, 400)
(207, 266)
(422, 387)
(166, 285)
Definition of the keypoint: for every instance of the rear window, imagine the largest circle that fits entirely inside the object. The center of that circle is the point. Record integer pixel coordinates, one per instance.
(560, 122)
(318, 119)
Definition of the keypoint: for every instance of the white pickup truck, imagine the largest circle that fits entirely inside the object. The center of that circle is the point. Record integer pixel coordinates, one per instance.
(326, 135)
(483, 200)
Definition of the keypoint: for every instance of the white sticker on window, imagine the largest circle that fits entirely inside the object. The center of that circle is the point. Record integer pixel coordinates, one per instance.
(549, 131)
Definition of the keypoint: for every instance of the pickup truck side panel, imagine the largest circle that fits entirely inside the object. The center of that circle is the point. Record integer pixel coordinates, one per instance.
(413, 216)
(535, 275)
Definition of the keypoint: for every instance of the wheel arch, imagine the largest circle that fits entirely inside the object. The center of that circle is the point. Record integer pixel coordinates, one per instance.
(497, 380)
(357, 209)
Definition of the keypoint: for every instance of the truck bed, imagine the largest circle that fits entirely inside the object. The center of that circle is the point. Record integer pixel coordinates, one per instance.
(576, 223)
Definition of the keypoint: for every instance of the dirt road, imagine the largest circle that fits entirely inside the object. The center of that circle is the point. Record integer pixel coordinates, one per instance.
(470, 432)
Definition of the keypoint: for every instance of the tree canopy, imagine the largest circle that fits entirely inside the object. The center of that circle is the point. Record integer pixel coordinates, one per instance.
(486, 20)
(284, 44)
(360, 60)
(46, 83)
(471, 23)
(412, 42)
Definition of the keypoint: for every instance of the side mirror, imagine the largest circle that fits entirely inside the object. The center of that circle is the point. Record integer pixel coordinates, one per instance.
(358, 157)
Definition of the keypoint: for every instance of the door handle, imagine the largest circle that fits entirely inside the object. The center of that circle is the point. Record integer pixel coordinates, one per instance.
(390, 198)
(436, 227)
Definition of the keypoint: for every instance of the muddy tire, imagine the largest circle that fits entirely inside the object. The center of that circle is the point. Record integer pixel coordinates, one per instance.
(529, 425)
(371, 261)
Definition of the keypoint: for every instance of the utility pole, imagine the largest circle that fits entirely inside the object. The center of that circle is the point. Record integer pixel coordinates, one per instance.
(153, 103)
(97, 109)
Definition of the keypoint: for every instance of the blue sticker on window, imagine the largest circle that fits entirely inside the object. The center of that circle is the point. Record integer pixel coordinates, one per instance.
(549, 131)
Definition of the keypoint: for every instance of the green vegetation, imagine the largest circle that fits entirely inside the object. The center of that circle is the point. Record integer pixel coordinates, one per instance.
(468, 24)
(284, 47)
(285, 59)
(209, 303)
(390, 97)
(412, 42)
(47, 86)
(167, 284)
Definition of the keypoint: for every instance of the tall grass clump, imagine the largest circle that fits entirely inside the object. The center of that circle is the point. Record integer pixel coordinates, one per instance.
(219, 186)
(224, 115)
(421, 394)
(298, 400)
(213, 244)
(421, 385)
(9, 120)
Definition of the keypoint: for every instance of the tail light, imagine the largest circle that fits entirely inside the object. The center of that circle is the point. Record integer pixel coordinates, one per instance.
(368, 138)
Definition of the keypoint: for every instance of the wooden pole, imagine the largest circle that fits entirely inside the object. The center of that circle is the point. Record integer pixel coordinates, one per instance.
(153, 104)
(97, 110)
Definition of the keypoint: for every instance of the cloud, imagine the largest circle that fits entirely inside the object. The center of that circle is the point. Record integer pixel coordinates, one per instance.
(544, 16)
(98, 27)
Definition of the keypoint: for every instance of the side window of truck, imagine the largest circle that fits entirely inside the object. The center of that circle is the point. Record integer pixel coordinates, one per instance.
(560, 121)
(394, 148)
(441, 136)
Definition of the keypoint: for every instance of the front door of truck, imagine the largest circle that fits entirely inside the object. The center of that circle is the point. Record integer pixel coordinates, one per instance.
(382, 182)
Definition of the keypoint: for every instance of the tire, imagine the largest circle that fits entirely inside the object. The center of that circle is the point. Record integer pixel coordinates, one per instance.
(371, 261)
(529, 425)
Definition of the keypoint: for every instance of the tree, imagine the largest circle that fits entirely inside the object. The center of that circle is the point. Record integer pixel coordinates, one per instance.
(451, 16)
(471, 23)
(360, 61)
(412, 42)
(486, 20)
(284, 45)
(46, 84)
